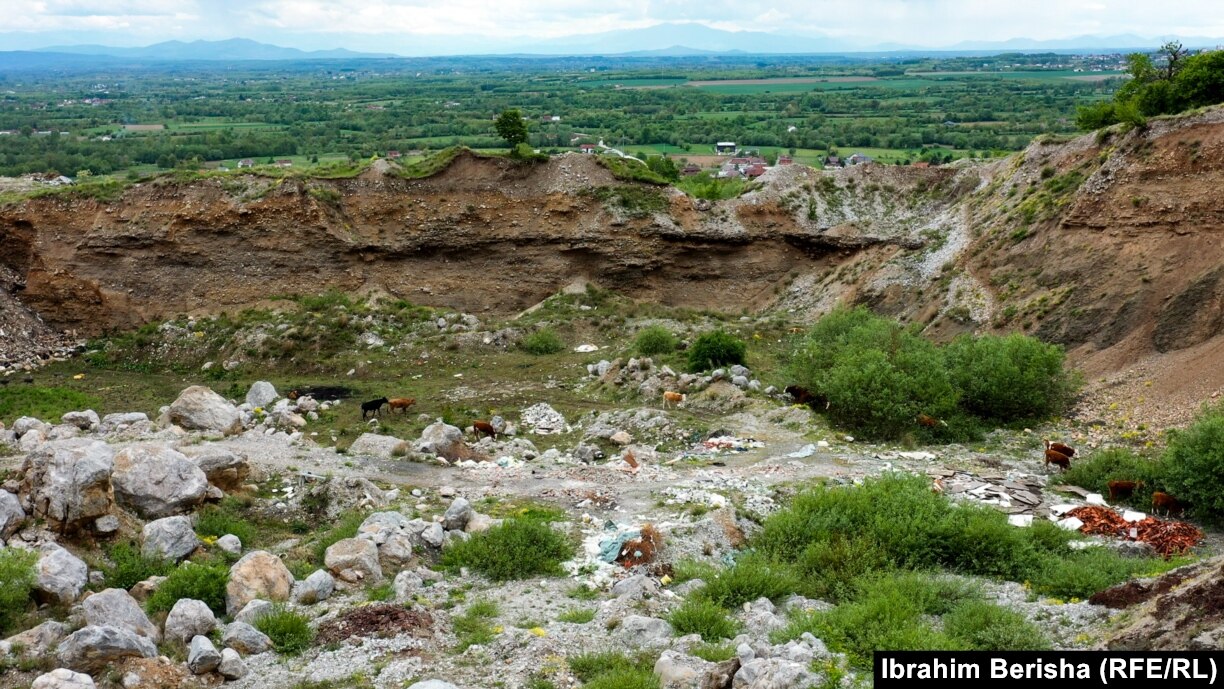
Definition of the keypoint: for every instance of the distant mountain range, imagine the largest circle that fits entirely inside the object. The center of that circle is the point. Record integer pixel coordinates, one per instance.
(232, 49)
(661, 40)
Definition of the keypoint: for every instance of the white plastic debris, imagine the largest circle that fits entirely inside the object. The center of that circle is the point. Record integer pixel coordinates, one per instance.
(1133, 516)
(1096, 499)
(1060, 510)
(920, 456)
(583, 348)
(1070, 523)
(805, 451)
(1020, 520)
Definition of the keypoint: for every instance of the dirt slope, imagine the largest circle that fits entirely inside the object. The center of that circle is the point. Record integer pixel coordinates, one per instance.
(1110, 245)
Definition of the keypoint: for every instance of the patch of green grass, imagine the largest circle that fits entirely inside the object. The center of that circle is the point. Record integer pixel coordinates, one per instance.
(46, 403)
(132, 567)
(431, 165)
(625, 679)
(190, 580)
(514, 549)
(700, 616)
(589, 667)
(543, 341)
(577, 615)
(689, 569)
(225, 518)
(473, 626)
(706, 186)
(630, 170)
(1095, 471)
(381, 593)
(289, 631)
(583, 592)
(985, 626)
(633, 201)
(16, 582)
(715, 653)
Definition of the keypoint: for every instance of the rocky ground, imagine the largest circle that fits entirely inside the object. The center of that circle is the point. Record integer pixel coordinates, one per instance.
(386, 615)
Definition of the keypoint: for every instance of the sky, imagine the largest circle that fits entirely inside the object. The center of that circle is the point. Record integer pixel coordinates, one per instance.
(392, 25)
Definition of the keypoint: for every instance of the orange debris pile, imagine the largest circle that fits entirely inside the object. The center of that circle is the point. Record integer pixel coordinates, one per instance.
(641, 550)
(1166, 537)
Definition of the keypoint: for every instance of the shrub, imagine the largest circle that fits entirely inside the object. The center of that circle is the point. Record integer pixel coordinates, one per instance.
(189, 580)
(984, 626)
(515, 549)
(543, 341)
(625, 679)
(1117, 464)
(16, 583)
(715, 653)
(655, 340)
(610, 670)
(577, 615)
(1009, 378)
(289, 631)
(1194, 461)
(718, 348)
(750, 578)
(132, 567)
(700, 616)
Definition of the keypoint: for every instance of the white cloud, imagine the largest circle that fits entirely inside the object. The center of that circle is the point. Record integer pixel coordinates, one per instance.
(922, 22)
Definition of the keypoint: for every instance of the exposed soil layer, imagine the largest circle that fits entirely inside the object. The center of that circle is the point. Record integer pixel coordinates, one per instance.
(380, 620)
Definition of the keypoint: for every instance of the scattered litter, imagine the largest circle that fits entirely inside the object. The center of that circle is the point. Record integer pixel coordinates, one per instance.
(1060, 510)
(1020, 520)
(725, 443)
(1133, 516)
(919, 456)
(805, 451)
(611, 548)
(822, 444)
(1096, 499)
(1070, 523)
(1166, 537)
(584, 348)
(542, 419)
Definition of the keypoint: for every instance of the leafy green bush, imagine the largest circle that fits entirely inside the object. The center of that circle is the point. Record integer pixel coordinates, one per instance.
(543, 341)
(1194, 462)
(715, 349)
(514, 549)
(1117, 464)
(750, 578)
(984, 626)
(16, 583)
(700, 616)
(189, 580)
(1009, 378)
(655, 340)
(289, 631)
(131, 566)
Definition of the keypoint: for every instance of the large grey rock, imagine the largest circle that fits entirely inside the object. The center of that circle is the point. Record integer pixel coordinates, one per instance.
(189, 618)
(202, 656)
(252, 611)
(406, 584)
(224, 469)
(59, 575)
(122, 420)
(245, 639)
(444, 440)
(354, 560)
(200, 409)
(645, 629)
(457, 515)
(68, 483)
(27, 424)
(433, 535)
(92, 648)
(232, 666)
(262, 394)
(679, 671)
(11, 514)
(637, 586)
(259, 574)
(380, 526)
(41, 640)
(116, 608)
(315, 588)
(171, 538)
(85, 420)
(157, 481)
(773, 673)
(395, 553)
(375, 445)
(229, 543)
(63, 678)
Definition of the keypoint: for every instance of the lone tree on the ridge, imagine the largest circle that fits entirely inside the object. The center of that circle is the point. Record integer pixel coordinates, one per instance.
(512, 127)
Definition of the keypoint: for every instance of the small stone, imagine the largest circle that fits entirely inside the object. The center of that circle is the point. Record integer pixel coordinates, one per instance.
(245, 639)
(457, 515)
(171, 538)
(229, 543)
(187, 619)
(315, 588)
(232, 666)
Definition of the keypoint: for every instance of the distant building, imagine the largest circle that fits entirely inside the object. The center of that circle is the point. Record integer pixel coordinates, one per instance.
(725, 148)
(785, 160)
(832, 161)
(754, 171)
(920, 163)
(587, 148)
(246, 162)
(729, 171)
(284, 163)
(858, 159)
(691, 169)
(393, 154)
